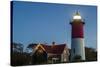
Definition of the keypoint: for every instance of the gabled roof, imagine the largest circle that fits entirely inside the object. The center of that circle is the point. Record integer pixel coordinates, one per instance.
(54, 49)
(47, 48)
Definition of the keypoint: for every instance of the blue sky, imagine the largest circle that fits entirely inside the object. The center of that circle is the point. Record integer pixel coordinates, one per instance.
(35, 22)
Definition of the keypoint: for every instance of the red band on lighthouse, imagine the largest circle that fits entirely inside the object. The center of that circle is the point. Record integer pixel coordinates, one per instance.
(77, 29)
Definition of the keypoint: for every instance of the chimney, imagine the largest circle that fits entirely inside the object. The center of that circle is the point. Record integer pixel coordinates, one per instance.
(53, 43)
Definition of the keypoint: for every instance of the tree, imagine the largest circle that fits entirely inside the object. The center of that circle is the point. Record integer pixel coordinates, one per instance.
(30, 47)
(17, 55)
(17, 47)
(91, 54)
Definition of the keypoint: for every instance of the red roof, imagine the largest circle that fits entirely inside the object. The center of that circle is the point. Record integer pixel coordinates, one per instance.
(55, 49)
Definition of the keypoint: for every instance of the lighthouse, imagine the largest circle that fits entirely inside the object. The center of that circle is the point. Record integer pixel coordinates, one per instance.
(77, 38)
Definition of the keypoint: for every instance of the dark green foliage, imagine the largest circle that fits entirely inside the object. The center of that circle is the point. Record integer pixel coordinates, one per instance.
(91, 54)
(17, 47)
(31, 45)
(18, 57)
(39, 58)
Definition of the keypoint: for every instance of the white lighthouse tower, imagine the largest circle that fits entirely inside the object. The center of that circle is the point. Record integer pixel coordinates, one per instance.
(77, 43)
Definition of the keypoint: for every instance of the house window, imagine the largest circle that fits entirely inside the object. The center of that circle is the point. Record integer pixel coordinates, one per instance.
(54, 60)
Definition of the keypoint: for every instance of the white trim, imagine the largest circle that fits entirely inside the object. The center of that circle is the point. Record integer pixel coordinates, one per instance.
(34, 49)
